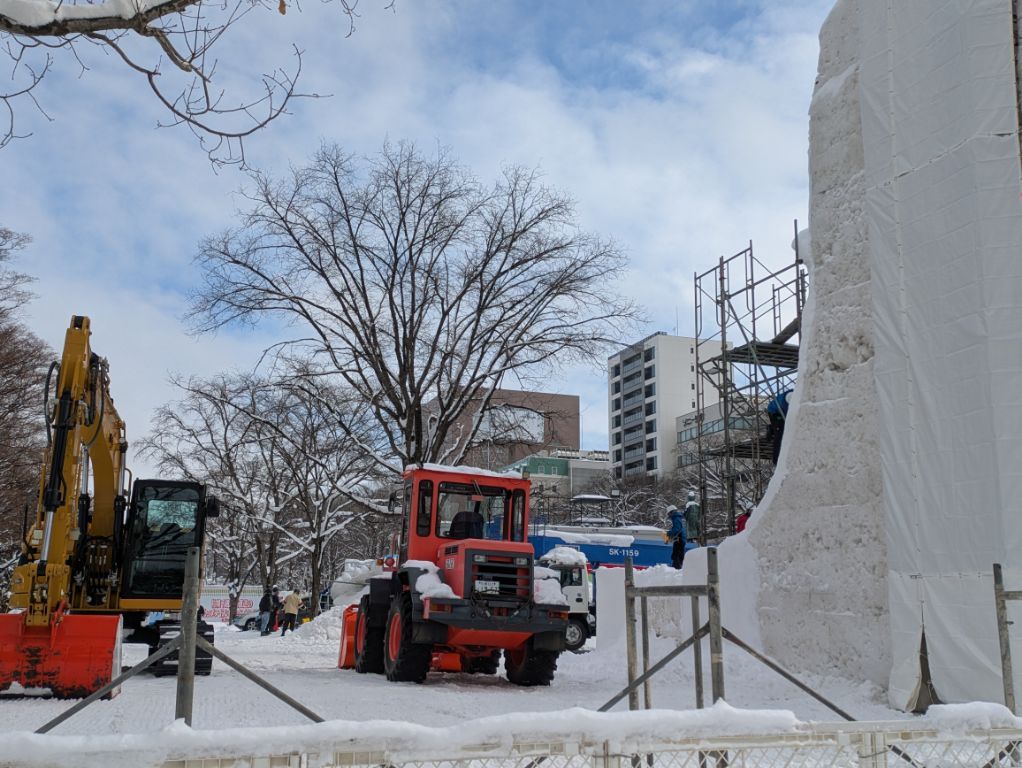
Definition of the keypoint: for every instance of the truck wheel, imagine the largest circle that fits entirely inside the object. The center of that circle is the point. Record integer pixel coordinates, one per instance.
(576, 635)
(403, 660)
(481, 665)
(527, 666)
(368, 642)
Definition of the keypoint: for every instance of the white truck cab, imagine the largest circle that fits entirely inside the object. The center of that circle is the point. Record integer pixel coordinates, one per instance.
(570, 565)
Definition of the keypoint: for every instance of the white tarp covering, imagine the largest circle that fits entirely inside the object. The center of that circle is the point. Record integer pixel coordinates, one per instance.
(940, 136)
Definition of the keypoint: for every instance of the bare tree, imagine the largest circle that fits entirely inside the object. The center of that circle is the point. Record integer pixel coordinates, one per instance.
(204, 437)
(326, 474)
(170, 44)
(417, 286)
(23, 361)
(288, 475)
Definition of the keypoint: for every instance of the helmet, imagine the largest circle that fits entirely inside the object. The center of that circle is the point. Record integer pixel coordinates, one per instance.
(691, 495)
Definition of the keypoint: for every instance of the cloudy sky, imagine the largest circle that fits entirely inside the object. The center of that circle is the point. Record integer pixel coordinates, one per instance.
(679, 126)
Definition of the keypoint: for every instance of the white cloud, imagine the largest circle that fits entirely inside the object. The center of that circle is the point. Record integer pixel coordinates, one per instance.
(695, 147)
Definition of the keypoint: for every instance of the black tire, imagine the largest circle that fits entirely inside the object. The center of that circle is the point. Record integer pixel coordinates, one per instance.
(249, 625)
(527, 666)
(403, 660)
(368, 642)
(575, 635)
(481, 665)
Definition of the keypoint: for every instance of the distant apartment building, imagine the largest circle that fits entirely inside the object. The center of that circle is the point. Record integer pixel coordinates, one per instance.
(518, 423)
(650, 384)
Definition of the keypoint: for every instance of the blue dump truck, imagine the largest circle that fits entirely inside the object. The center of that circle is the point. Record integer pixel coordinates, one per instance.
(607, 545)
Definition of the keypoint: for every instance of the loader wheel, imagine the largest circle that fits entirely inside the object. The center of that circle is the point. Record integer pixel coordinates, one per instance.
(368, 642)
(481, 665)
(403, 660)
(575, 635)
(527, 666)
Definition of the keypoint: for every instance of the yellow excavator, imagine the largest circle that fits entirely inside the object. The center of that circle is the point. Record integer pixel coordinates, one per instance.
(93, 564)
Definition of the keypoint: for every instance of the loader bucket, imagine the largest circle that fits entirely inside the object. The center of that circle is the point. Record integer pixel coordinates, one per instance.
(76, 655)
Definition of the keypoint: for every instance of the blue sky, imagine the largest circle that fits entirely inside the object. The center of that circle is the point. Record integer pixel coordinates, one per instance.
(679, 127)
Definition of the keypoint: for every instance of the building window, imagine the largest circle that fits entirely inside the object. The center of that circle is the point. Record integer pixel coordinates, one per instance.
(692, 368)
(617, 456)
(617, 387)
(648, 354)
(691, 351)
(693, 403)
(617, 438)
(651, 463)
(616, 370)
(651, 408)
(650, 372)
(617, 421)
(617, 404)
(651, 445)
(693, 385)
(651, 426)
(650, 390)
(617, 473)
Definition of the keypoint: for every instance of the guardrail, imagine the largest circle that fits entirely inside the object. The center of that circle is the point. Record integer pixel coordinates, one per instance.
(864, 745)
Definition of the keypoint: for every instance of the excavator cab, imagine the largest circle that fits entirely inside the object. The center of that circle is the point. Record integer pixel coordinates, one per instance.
(165, 519)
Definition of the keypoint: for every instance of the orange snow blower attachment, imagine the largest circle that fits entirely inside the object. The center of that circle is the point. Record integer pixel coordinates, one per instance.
(76, 655)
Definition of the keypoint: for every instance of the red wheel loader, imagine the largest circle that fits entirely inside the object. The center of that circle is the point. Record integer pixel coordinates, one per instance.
(92, 564)
(459, 594)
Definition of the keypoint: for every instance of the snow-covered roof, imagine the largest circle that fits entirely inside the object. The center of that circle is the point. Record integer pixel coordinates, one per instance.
(466, 471)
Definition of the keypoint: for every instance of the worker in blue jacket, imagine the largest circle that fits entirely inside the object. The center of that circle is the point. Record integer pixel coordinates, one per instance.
(676, 534)
(777, 412)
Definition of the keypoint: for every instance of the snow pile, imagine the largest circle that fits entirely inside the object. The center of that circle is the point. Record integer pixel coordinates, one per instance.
(348, 588)
(964, 718)
(429, 584)
(400, 740)
(565, 556)
(325, 629)
(546, 587)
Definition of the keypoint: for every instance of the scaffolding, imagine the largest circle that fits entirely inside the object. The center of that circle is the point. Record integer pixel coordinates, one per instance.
(748, 321)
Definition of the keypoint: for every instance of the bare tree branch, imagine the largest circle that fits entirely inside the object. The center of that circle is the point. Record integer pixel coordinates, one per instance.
(185, 33)
(416, 286)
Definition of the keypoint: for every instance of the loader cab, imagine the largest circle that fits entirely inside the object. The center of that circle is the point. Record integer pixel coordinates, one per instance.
(445, 506)
(165, 519)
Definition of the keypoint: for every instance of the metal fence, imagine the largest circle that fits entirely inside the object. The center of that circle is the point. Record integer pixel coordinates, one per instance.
(864, 745)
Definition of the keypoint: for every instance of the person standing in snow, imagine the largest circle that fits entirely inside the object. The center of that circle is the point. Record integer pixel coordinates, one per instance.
(292, 604)
(275, 613)
(265, 607)
(692, 517)
(777, 412)
(676, 533)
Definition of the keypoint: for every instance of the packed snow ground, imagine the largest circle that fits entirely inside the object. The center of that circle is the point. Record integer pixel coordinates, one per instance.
(304, 664)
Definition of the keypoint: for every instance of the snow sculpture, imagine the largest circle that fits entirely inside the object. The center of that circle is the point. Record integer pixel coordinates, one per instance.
(899, 481)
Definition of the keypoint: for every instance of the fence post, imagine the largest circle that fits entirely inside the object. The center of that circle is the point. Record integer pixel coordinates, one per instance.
(186, 654)
(1004, 639)
(716, 638)
(633, 694)
(647, 687)
(697, 653)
